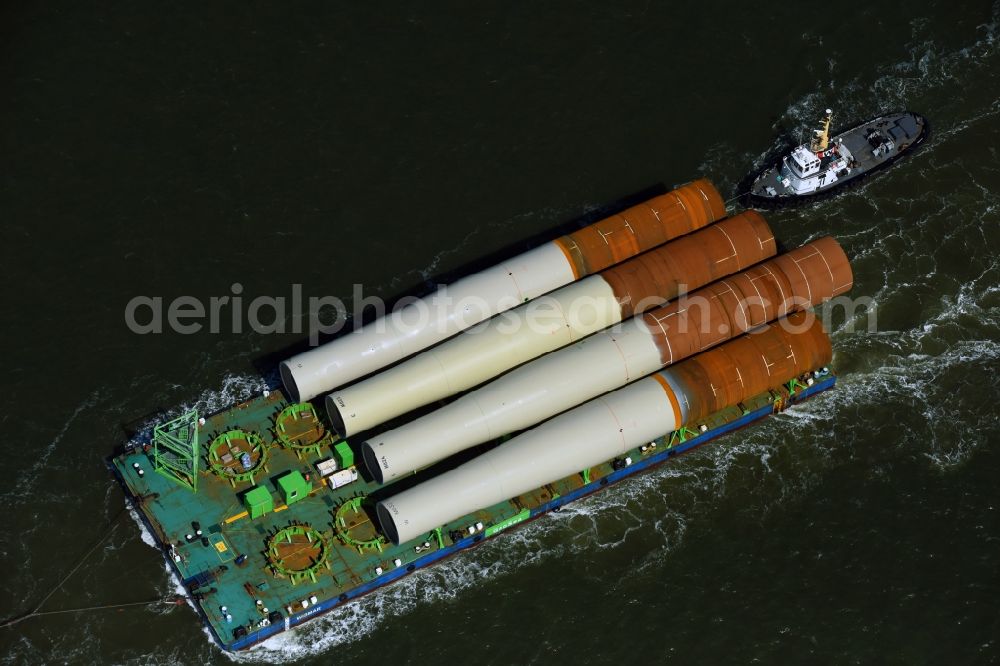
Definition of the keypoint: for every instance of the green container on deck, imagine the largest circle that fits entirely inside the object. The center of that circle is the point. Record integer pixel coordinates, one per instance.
(294, 487)
(343, 455)
(258, 502)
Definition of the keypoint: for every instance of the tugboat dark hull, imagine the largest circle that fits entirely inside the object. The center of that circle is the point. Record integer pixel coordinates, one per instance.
(906, 130)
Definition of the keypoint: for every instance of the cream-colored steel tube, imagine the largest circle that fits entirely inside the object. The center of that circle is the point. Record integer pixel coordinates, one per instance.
(608, 427)
(478, 297)
(552, 321)
(586, 436)
(612, 358)
(426, 322)
(478, 355)
(530, 394)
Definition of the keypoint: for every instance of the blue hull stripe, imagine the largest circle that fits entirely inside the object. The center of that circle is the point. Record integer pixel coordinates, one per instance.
(426, 560)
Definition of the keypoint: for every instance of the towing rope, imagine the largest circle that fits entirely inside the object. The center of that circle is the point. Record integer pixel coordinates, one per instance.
(736, 198)
(37, 612)
(175, 600)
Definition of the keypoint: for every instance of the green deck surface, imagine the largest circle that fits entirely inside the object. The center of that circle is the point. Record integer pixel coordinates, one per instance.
(221, 510)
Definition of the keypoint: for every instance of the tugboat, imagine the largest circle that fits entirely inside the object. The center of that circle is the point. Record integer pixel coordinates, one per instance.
(826, 164)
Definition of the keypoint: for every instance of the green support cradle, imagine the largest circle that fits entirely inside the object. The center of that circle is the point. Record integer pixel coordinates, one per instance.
(225, 456)
(680, 436)
(298, 428)
(341, 527)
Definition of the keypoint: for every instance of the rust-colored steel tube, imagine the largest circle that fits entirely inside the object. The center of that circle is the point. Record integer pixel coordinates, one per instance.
(642, 227)
(482, 295)
(690, 262)
(613, 358)
(553, 321)
(610, 426)
(798, 279)
(745, 366)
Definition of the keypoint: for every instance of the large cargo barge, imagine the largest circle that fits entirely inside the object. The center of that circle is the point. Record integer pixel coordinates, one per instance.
(270, 516)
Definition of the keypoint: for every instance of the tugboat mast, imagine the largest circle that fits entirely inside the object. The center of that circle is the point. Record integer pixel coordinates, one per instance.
(822, 135)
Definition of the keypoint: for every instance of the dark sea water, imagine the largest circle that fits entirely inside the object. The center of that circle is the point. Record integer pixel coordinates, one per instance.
(152, 150)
